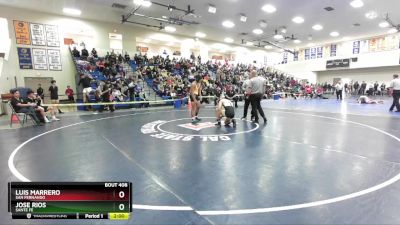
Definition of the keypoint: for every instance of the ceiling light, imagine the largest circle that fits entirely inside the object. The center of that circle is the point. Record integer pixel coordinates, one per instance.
(200, 35)
(334, 34)
(212, 9)
(144, 3)
(268, 47)
(228, 40)
(393, 31)
(357, 3)
(75, 12)
(278, 36)
(243, 18)
(269, 8)
(170, 29)
(258, 31)
(371, 15)
(249, 43)
(296, 41)
(283, 30)
(317, 27)
(228, 24)
(384, 24)
(298, 19)
(165, 17)
(263, 23)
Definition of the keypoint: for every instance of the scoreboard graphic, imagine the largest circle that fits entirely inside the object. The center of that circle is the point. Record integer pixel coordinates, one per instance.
(70, 200)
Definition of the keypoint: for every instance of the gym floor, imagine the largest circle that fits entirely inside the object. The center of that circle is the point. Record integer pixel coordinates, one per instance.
(315, 162)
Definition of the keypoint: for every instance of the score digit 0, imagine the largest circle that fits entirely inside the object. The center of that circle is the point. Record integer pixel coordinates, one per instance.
(121, 194)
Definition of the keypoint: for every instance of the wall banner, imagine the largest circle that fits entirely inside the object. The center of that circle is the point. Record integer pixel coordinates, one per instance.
(307, 54)
(320, 51)
(54, 57)
(356, 47)
(25, 58)
(22, 33)
(333, 50)
(313, 53)
(53, 40)
(39, 59)
(285, 58)
(38, 34)
(296, 56)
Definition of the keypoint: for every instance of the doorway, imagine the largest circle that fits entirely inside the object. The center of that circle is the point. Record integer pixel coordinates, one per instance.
(33, 83)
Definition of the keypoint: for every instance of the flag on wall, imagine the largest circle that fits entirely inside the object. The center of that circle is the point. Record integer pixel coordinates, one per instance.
(307, 54)
(333, 50)
(296, 56)
(320, 52)
(22, 32)
(356, 47)
(25, 58)
(313, 53)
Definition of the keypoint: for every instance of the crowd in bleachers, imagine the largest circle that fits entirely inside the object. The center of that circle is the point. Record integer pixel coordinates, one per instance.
(118, 77)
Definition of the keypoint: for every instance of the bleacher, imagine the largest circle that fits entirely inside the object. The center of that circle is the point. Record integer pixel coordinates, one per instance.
(129, 68)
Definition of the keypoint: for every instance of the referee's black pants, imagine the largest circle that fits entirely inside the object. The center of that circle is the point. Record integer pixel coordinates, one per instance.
(246, 105)
(396, 98)
(255, 100)
(339, 94)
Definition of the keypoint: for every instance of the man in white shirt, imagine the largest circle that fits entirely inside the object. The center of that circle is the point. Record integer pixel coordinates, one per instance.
(257, 90)
(339, 90)
(395, 89)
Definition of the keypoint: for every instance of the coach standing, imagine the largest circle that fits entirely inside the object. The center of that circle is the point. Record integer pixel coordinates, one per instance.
(395, 88)
(257, 91)
(53, 89)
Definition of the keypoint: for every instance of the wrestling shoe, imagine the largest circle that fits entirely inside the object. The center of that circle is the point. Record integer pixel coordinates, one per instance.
(234, 122)
(218, 123)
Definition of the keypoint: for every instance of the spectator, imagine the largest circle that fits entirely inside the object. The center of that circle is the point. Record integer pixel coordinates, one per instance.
(339, 91)
(76, 53)
(40, 91)
(85, 81)
(53, 89)
(363, 88)
(40, 110)
(94, 53)
(127, 57)
(21, 107)
(70, 94)
(85, 53)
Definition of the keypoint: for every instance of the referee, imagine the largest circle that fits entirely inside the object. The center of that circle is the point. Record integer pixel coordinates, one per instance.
(395, 88)
(257, 91)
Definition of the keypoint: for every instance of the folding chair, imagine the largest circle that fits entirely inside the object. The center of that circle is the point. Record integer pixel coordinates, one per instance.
(18, 116)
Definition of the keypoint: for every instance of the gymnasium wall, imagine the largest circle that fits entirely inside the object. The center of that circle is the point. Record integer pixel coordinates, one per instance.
(379, 63)
(380, 74)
